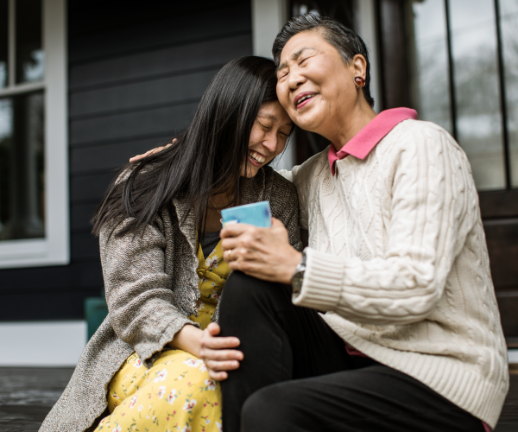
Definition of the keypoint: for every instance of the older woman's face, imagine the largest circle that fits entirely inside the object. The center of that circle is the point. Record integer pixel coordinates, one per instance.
(315, 86)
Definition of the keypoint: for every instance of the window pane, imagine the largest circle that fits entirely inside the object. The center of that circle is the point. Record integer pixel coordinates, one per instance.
(21, 167)
(428, 58)
(479, 122)
(29, 48)
(509, 25)
(4, 32)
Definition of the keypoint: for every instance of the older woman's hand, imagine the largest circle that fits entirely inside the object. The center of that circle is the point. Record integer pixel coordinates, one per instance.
(264, 253)
(151, 152)
(217, 352)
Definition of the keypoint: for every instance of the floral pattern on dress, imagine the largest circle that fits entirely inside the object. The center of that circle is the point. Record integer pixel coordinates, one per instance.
(176, 394)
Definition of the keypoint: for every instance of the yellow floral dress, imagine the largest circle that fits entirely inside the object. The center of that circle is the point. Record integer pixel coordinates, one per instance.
(176, 394)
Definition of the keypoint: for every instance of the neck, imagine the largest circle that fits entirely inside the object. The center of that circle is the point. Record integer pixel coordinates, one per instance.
(348, 125)
(221, 200)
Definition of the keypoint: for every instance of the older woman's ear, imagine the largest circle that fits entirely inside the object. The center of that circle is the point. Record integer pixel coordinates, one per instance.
(360, 66)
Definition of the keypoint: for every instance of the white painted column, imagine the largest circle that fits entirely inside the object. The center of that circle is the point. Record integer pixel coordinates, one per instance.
(268, 17)
(366, 28)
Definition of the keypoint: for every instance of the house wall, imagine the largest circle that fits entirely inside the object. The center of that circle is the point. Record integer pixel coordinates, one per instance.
(136, 73)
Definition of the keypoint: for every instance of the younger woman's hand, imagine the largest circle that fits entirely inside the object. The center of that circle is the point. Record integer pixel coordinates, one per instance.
(218, 353)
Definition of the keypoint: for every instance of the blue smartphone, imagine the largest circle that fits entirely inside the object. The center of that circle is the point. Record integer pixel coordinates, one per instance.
(258, 214)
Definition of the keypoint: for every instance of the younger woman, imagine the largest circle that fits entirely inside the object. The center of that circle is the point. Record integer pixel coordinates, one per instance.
(163, 266)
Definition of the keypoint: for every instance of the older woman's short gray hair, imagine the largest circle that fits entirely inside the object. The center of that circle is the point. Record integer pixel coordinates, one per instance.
(346, 41)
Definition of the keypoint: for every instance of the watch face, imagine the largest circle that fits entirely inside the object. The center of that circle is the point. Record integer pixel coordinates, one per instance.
(297, 282)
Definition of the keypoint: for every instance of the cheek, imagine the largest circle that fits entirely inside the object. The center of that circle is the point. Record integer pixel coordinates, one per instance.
(255, 136)
(283, 95)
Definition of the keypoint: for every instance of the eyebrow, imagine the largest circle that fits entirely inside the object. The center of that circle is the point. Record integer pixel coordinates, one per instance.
(294, 57)
(268, 116)
(273, 117)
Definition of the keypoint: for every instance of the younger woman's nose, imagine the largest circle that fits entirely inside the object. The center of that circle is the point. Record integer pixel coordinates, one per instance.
(270, 143)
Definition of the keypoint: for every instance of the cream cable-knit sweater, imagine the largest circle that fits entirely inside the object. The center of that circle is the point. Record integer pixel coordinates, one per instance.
(397, 257)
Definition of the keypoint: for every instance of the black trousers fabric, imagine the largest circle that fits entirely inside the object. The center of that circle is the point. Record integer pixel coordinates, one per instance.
(297, 376)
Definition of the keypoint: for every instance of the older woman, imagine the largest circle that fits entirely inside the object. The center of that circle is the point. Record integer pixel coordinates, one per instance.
(411, 337)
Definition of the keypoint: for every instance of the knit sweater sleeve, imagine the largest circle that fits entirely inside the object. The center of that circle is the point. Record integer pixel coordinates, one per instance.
(141, 304)
(433, 206)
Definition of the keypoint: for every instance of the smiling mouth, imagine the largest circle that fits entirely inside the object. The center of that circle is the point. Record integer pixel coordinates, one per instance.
(304, 100)
(257, 158)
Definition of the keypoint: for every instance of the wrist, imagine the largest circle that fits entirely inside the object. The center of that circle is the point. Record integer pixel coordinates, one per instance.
(188, 339)
(298, 275)
(291, 266)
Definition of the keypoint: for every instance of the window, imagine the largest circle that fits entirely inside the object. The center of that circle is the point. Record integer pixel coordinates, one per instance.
(463, 63)
(33, 136)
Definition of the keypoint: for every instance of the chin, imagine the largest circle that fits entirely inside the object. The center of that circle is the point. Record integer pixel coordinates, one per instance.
(308, 123)
(252, 172)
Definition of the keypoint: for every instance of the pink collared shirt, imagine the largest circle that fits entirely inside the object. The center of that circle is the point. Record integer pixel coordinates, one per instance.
(365, 140)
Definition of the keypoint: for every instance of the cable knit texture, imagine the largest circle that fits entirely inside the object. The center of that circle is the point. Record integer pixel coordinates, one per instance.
(397, 256)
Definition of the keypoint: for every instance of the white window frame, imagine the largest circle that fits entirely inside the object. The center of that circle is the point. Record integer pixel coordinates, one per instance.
(54, 249)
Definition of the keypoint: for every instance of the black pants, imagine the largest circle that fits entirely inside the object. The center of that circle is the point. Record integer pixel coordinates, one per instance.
(297, 376)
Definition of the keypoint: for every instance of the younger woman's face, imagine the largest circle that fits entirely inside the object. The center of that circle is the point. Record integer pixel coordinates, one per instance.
(268, 136)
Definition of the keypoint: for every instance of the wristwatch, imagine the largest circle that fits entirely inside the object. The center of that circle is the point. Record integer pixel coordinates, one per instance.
(298, 277)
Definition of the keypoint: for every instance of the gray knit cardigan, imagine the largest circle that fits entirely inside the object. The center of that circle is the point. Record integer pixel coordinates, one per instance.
(151, 286)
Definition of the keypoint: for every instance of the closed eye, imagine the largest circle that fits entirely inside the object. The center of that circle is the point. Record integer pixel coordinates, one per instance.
(282, 73)
(263, 126)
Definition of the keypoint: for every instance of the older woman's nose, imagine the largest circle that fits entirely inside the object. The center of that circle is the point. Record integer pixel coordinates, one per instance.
(295, 80)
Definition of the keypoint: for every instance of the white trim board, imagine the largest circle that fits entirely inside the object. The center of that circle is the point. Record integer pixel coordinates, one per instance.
(367, 30)
(58, 344)
(268, 17)
(41, 344)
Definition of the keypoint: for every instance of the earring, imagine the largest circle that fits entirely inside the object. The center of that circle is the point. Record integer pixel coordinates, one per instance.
(359, 82)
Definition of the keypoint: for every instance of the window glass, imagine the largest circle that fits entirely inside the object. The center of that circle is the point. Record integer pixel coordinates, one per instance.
(22, 210)
(475, 62)
(428, 61)
(509, 28)
(4, 33)
(29, 49)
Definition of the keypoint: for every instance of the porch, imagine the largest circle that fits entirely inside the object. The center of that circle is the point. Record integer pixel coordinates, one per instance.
(27, 394)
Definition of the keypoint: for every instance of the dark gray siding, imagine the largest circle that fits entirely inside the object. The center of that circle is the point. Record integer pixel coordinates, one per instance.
(136, 73)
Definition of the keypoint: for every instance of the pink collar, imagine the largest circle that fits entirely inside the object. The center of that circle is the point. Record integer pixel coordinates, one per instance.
(365, 140)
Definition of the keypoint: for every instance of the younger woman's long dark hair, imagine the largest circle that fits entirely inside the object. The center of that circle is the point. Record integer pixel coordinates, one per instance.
(207, 158)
